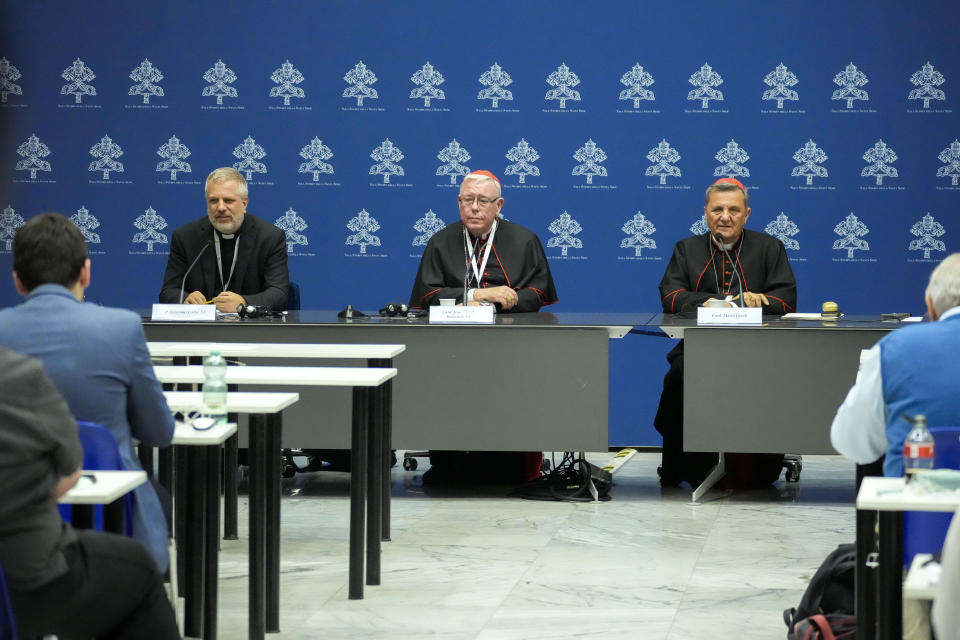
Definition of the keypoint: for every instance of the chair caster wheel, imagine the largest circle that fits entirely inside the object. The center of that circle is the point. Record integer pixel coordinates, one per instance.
(793, 465)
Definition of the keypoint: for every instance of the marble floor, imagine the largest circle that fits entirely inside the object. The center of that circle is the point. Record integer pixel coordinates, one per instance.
(476, 564)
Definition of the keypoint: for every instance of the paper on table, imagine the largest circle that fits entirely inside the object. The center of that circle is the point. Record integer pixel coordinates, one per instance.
(804, 316)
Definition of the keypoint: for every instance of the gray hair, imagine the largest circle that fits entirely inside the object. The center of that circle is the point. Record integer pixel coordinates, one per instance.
(479, 177)
(227, 174)
(726, 186)
(944, 286)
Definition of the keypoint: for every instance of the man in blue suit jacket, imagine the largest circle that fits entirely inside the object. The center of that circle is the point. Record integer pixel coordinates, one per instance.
(96, 356)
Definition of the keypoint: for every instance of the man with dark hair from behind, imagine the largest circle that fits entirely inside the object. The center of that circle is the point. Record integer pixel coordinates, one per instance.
(74, 584)
(96, 356)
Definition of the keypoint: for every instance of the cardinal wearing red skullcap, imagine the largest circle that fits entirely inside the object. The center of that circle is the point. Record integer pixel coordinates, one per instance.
(717, 265)
(484, 259)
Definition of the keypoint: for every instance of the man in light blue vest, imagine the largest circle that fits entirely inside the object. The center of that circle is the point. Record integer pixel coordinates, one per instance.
(912, 370)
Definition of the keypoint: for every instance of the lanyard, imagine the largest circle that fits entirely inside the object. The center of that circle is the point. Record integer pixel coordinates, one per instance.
(486, 251)
(236, 247)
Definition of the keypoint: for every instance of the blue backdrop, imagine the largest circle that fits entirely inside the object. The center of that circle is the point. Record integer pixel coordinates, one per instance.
(610, 119)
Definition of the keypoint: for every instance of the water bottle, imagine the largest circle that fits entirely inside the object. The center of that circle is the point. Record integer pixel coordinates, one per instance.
(215, 388)
(917, 448)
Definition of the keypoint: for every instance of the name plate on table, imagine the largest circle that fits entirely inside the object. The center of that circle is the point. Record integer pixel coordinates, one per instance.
(730, 315)
(184, 312)
(482, 314)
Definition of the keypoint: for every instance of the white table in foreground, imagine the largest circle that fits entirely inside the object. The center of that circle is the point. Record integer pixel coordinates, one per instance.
(308, 376)
(109, 486)
(202, 509)
(185, 434)
(108, 489)
(264, 487)
(887, 494)
(237, 402)
(276, 350)
(888, 497)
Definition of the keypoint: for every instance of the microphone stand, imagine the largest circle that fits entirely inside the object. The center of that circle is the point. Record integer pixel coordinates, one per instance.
(183, 284)
(719, 240)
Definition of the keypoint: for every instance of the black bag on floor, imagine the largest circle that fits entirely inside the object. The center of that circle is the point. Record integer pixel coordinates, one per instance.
(831, 591)
(836, 626)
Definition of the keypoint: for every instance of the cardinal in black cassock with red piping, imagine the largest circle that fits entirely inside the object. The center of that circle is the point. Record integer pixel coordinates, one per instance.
(714, 266)
(504, 262)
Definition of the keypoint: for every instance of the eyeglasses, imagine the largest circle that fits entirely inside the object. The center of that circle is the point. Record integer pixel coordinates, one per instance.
(482, 202)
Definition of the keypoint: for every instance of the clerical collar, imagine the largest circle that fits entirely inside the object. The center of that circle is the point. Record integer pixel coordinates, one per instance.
(726, 246)
(229, 236)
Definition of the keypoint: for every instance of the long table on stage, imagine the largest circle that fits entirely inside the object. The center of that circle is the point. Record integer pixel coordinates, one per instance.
(769, 388)
(527, 382)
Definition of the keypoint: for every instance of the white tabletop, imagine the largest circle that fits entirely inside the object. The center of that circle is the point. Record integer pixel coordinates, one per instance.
(276, 350)
(237, 401)
(109, 486)
(185, 434)
(887, 494)
(307, 376)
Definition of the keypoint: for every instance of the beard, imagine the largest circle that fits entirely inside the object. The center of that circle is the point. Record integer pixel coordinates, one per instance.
(227, 227)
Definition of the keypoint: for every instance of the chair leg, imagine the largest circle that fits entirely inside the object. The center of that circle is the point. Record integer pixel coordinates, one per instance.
(171, 588)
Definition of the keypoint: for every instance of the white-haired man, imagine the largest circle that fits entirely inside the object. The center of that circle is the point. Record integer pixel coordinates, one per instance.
(505, 263)
(911, 370)
(506, 267)
(247, 263)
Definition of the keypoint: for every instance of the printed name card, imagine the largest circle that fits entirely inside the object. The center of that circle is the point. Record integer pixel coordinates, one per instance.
(482, 314)
(730, 315)
(184, 312)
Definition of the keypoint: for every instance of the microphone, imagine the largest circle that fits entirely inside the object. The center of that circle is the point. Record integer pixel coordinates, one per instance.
(184, 282)
(718, 239)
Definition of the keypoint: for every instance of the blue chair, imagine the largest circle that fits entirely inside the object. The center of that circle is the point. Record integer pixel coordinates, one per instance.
(101, 453)
(293, 297)
(925, 531)
(8, 624)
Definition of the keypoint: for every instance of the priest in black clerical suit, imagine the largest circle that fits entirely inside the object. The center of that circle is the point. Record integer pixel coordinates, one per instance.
(505, 263)
(242, 258)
